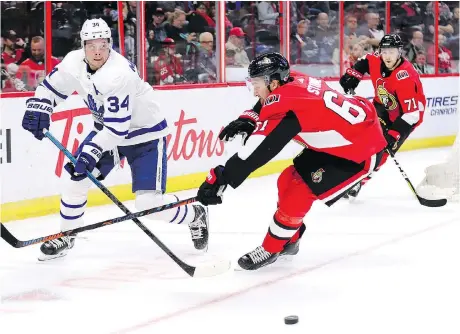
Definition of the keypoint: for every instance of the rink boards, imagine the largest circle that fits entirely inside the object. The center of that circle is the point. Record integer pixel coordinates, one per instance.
(31, 170)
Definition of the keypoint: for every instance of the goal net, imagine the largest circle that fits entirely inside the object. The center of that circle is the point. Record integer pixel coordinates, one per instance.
(442, 180)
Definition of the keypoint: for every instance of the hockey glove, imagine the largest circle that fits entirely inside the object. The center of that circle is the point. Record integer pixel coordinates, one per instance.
(350, 80)
(37, 116)
(392, 138)
(245, 125)
(86, 161)
(211, 191)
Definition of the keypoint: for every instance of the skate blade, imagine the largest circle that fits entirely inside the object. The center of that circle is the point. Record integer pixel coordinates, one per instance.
(44, 257)
(286, 258)
(351, 199)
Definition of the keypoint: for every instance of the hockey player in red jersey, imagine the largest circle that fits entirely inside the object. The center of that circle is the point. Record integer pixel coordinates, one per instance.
(342, 139)
(399, 98)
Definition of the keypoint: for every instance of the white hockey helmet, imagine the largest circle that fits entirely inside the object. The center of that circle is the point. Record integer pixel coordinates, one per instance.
(94, 29)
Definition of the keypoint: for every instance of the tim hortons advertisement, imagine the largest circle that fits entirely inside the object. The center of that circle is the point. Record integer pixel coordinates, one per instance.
(32, 168)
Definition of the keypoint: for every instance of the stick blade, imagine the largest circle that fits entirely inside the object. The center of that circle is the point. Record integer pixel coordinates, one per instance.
(432, 203)
(214, 269)
(8, 237)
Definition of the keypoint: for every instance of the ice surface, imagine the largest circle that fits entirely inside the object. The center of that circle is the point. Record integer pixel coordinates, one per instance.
(383, 264)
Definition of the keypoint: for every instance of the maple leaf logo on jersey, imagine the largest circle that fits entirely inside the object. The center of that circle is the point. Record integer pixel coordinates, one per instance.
(98, 112)
(387, 99)
(317, 176)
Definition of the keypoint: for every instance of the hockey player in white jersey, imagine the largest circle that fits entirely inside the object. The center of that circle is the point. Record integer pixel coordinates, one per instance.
(127, 123)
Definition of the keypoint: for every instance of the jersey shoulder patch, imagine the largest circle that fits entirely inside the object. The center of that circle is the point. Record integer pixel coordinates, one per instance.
(271, 99)
(402, 74)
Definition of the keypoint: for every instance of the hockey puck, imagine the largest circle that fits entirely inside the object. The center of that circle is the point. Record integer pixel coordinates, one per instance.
(291, 320)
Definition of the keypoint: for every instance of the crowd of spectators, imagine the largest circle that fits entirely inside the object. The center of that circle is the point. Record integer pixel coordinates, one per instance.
(181, 36)
(251, 28)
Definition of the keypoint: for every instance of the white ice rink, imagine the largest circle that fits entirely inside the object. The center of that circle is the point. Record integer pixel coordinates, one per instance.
(383, 264)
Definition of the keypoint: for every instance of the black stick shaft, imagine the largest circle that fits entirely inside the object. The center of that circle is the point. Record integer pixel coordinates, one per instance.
(13, 241)
(433, 203)
(187, 268)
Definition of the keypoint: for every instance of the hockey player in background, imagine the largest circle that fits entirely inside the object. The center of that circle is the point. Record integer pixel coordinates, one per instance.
(399, 98)
(127, 123)
(342, 139)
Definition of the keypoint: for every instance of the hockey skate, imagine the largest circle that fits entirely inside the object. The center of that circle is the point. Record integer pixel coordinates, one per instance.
(257, 258)
(199, 227)
(353, 192)
(56, 248)
(292, 248)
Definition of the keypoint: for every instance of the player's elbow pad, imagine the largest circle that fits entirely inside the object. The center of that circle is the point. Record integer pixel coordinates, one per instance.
(240, 165)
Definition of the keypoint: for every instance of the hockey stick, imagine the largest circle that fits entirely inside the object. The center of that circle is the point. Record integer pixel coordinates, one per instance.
(432, 203)
(201, 271)
(13, 241)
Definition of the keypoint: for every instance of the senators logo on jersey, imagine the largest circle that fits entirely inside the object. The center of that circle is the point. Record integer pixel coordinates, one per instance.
(387, 99)
(317, 176)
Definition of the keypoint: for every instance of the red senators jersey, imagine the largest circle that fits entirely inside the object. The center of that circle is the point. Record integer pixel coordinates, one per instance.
(13, 58)
(168, 68)
(333, 123)
(400, 90)
(33, 73)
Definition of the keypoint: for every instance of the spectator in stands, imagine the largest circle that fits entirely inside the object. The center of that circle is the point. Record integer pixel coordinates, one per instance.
(168, 68)
(32, 70)
(414, 46)
(444, 55)
(351, 35)
(207, 59)
(372, 31)
(408, 16)
(175, 30)
(445, 20)
(453, 41)
(13, 48)
(212, 14)
(358, 10)
(351, 26)
(236, 43)
(230, 58)
(11, 82)
(152, 44)
(357, 51)
(268, 13)
(199, 20)
(444, 23)
(157, 25)
(455, 22)
(420, 64)
(303, 48)
(325, 37)
(168, 6)
(130, 43)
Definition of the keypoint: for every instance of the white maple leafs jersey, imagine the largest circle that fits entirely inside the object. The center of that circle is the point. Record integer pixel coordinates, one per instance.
(121, 103)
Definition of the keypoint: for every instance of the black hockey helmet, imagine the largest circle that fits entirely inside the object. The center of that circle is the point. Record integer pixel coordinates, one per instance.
(391, 41)
(271, 66)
